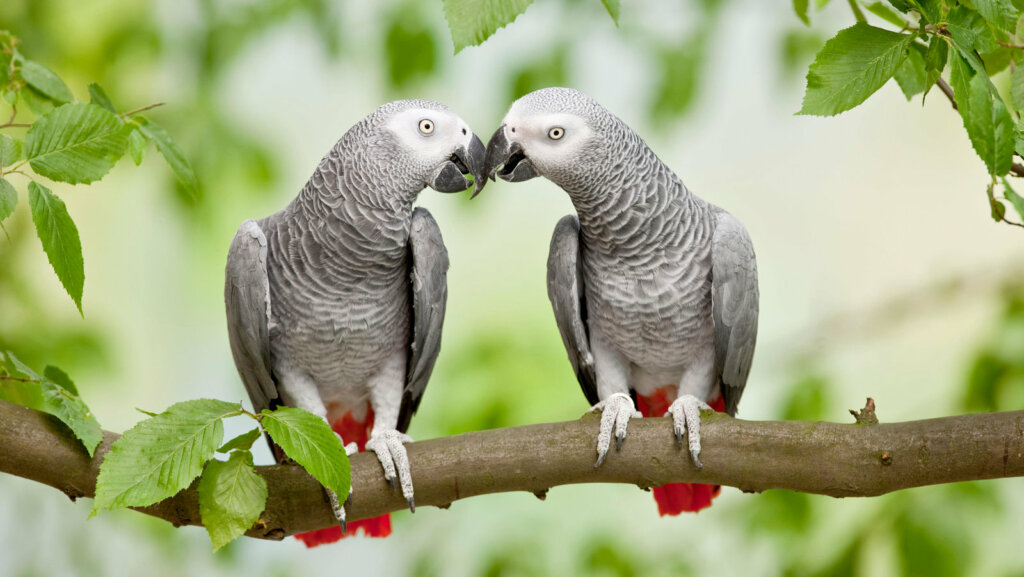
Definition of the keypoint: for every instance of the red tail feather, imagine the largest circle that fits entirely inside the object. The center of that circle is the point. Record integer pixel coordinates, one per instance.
(675, 498)
(351, 431)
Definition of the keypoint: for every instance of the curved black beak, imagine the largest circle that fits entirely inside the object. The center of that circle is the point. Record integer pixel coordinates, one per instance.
(450, 175)
(515, 167)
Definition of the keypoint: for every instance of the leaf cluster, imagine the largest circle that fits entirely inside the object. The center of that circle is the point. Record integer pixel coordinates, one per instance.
(53, 393)
(166, 453)
(70, 142)
(975, 42)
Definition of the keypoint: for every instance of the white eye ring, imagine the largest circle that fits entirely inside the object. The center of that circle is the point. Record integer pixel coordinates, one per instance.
(426, 126)
(556, 133)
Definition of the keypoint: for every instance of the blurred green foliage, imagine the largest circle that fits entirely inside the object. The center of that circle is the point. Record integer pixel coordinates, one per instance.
(996, 378)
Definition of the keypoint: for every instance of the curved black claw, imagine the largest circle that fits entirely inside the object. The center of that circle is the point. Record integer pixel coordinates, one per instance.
(696, 460)
(394, 483)
(412, 505)
(600, 460)
(679, 436)
(618, 441)
(344, 527)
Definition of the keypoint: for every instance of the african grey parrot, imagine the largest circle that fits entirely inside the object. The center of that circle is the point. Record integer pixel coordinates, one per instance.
(335, 304)
(654, 289)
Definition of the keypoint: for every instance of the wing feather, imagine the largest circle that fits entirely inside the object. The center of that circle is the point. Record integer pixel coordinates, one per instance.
(247, 300)
(428, 276)
(735, 306)
(565, 290)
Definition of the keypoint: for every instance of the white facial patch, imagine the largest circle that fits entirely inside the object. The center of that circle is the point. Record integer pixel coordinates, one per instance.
(431, 135)
(533, 131)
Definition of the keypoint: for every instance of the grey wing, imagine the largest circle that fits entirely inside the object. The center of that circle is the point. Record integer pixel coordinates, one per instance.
(428, 278)
(565, 290)
(247, 300)
(734, 304)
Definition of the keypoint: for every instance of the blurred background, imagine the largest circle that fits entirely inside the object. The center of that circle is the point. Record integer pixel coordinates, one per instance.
(881, 274)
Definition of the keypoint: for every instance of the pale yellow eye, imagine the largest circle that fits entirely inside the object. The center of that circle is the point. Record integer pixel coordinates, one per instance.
(556, 133)
(427, 126)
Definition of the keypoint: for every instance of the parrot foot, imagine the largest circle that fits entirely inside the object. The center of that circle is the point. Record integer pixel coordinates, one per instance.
(616, 411)
(685, 413)
(338, 508)
(389, 445)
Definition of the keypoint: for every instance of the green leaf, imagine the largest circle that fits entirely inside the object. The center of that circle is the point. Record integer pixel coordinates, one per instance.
(12, 365)
(231, 497)
(1001, 13)
(1018, 136)
(912, 76)
(851, 67)
(162, 455)
(885, 13)
(11, 150)
(800, 7)
(8, 200)
(45, 81)
(1014, 198)
(137, 145)
(960, 74)
(51, 396)
(930, 9)
(473, 21)
(241, 442)
(59, 377)
(309, 441)
(60, 239)
(989, 126)
(935, 60)
(998, 208)
(1017, 88)
(36, 101)
(76, 143)
(172, 153)
(998, 60)
(969, 30)
(614, 9)
(99, 97)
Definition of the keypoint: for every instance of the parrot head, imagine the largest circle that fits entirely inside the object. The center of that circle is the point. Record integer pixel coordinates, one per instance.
(417, 143)
(557, 133)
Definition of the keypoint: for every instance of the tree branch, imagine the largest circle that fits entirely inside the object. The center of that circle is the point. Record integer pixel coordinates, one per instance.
(855, 460)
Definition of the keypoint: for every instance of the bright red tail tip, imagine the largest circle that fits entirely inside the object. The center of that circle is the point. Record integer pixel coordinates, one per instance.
(676, 498)
(375, 527)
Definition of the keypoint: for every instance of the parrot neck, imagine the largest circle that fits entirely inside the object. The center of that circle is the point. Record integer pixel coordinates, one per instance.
(648, 200)
(360, 220)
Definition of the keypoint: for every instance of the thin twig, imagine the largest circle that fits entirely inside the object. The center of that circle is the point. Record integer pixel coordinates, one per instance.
(10, 121)
(948, 91)
(19, 379)
(857, 12)
(142, 108)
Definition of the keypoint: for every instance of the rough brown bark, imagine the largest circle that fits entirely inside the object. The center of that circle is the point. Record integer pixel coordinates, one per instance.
(854, 460)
